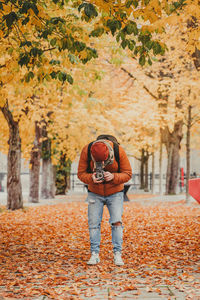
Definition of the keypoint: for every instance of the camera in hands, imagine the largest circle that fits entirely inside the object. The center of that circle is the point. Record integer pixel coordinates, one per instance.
(99, 171)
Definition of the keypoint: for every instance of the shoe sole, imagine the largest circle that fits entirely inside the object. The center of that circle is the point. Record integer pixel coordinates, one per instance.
(98, 261)
(119, 264)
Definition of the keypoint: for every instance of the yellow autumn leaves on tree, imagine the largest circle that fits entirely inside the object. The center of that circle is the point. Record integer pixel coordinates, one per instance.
(51, 73)
(151, 15)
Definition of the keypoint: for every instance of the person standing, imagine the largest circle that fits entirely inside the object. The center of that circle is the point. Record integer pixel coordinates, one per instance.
(104, 191)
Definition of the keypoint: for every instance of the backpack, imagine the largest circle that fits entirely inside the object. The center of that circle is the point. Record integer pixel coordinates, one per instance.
(115, 148)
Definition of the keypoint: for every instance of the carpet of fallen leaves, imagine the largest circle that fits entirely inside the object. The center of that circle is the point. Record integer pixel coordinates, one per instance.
(44, 250)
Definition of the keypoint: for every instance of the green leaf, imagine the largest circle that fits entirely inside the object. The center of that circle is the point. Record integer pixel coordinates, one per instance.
(79, 46)
(142, 60)
(10, 19)
(34, 8)
(45, 33)
(54, 62)
(157, 49)
(53, 41)
(124, 43)
(62, 76)
(131, 28)
(10, 50)
(93, 52)
(149, 45)
(129, 3)
(89, 10)
(25, 21)
(29, 76)
(132, 2)
(56, 20)
(97, 32)
(122, 15)
(69, 78)
(113, 25)
(36, 52)
(81, 6)
(135, 29)
(47, 77)
(122, 35)
(25, 7)
(67, 43)
(118, 37)
(137, 49)
(53, 75)
(149, 61)
(28, 5)
(131, 45)
(24, 59)
(72, 58)
(26, 43)
(135, 3)
(145, 38)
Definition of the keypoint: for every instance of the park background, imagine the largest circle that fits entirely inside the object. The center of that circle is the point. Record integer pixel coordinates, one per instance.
(69, 71)
(76, 186)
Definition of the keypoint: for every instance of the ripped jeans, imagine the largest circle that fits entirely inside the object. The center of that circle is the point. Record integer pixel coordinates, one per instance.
(96, 204)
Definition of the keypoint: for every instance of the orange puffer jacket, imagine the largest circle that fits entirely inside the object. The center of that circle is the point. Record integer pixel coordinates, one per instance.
(106, 188)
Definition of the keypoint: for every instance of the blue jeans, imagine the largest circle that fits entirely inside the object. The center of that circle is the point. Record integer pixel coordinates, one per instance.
(114, 204)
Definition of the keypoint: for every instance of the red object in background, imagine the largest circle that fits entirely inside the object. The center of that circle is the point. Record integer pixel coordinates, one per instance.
(182, 177)
(194, 188)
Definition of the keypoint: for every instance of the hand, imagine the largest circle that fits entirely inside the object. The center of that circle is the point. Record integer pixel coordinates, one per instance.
(108, 176)
(95, 180)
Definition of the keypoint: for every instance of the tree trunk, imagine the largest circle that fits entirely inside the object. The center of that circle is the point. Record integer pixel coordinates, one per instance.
(196, 57)
(146, 166)
(172, 141)
(52, 183)
(68, 182)
(161, 169)
(14, 187)
(63, 175)
(45, 178)
(189, 121)
(48, 182)
(35, 166)
(48, 179)
(169, 169)
(153, 174)
(142, 170)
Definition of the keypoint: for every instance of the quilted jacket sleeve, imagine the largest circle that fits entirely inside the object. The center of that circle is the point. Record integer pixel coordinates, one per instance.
(125, 168)
(82, 167)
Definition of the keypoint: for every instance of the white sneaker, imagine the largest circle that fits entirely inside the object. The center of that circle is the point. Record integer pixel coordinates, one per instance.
(118, 259)
(94, 259)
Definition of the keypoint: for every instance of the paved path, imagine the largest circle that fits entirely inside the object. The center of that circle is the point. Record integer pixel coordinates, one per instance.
(145, 198)
(159, 291)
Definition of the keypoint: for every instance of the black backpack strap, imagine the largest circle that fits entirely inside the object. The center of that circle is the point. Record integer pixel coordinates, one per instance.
(116, 153)
(89, 158)
(108, 137)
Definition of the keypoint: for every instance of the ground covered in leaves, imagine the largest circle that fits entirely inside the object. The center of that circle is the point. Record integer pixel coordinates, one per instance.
(44, 250)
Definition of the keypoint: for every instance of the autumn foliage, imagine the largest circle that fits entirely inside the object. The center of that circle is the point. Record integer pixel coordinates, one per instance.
(44, 251)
